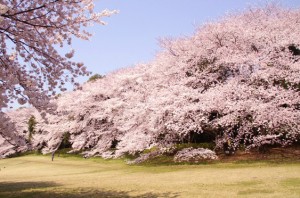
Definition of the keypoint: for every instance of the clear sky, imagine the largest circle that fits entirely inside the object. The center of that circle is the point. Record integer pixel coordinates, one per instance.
(130, 37)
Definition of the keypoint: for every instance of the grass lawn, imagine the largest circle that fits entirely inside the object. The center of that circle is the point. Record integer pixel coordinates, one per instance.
(37, 176)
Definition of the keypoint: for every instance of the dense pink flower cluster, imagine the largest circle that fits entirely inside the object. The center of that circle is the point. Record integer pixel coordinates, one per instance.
(195, 155)
(235, 82)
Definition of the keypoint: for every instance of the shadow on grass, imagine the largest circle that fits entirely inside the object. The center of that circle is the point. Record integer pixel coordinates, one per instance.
(54, 190)
(19, 186)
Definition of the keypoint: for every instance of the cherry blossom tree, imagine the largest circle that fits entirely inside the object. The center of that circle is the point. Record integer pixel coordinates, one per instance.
(31, 31)
(235, 83)
(30, 34)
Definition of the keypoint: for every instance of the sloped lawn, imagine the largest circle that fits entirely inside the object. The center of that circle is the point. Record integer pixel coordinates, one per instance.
(38, 176)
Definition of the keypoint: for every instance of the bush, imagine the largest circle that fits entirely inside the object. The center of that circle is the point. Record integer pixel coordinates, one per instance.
(195, 155)
(95, 77)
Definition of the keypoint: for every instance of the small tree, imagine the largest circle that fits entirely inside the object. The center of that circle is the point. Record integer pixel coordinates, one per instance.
(31, 127)
(95, 77)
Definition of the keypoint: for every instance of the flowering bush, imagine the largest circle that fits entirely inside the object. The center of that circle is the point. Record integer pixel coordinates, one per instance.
(195, 155)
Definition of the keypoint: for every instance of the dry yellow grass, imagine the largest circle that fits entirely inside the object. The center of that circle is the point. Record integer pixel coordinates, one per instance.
(37, 176)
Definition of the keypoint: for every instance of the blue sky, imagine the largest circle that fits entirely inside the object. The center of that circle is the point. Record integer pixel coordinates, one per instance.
(131, 36)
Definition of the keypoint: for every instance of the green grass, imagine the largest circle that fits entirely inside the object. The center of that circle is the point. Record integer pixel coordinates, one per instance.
(37, 176)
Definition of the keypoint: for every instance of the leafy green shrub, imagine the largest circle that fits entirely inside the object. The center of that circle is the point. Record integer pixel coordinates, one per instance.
(31, 127)
(154, 148)
(95, 77)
